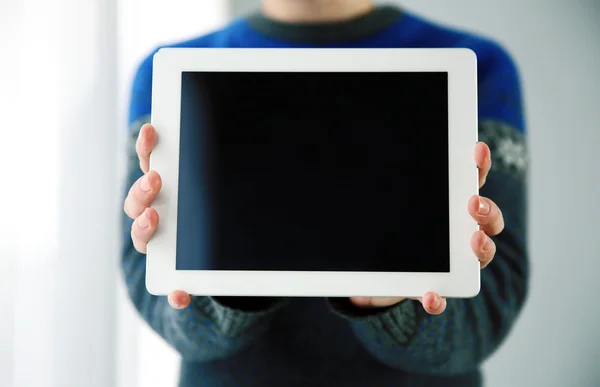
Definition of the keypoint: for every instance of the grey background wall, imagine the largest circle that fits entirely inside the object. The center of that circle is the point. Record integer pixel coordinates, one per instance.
(556, 43)
(242, 7)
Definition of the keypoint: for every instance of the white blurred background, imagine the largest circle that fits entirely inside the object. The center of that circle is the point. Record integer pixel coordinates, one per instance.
(65, 72)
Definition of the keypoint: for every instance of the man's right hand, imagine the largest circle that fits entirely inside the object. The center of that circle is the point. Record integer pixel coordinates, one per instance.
(139, 199)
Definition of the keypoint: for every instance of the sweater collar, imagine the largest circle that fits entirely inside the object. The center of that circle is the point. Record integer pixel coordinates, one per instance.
(357, 28)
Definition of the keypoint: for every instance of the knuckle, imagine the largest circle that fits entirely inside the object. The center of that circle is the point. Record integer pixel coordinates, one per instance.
(139, 148)
(484, 262)
(140, 247)
(129, 207)
(126, 208)
(498, 226)
(138, 242)
(141, 154)
(135, 207)
(139, 198)
(134, 231)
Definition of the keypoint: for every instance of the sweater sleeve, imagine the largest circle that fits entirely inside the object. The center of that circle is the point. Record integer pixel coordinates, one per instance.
(404, 336)
(209, 328)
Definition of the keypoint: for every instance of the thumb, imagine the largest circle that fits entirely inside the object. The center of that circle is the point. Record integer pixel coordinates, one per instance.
(374, 302)
(179, 299)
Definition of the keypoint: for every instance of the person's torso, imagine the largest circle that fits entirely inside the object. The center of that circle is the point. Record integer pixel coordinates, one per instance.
(306, 344)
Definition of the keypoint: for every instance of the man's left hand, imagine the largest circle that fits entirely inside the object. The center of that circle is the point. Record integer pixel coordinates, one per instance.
(489, 217)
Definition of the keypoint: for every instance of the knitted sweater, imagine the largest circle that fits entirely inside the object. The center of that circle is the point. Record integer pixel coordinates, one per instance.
(232, 341)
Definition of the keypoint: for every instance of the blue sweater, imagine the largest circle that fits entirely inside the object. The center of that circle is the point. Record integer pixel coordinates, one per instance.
(325, 342)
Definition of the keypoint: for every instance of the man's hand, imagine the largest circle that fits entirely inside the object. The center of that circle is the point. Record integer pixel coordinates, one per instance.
(488, 216)
(137, 204)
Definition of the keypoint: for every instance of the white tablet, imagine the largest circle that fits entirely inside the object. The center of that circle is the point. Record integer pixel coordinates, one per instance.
(314, 172)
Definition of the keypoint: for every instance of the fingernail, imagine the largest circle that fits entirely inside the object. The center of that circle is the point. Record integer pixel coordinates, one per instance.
(484, 207)
(487, 245)
(436, 303)
(143, 221)
(145, 184)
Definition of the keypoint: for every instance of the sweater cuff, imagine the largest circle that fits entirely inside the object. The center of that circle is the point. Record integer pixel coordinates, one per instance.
(394, 325)
(228, 316)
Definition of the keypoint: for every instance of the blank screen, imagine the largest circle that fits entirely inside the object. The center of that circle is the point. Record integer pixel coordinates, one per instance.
(314, 172)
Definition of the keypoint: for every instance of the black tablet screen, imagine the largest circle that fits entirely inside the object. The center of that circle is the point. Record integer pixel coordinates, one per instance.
(314, 172)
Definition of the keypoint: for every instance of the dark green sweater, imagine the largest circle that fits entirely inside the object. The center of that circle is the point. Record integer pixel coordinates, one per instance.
(325, 342)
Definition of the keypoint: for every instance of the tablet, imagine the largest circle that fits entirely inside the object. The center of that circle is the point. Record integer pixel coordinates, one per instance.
(314, 172)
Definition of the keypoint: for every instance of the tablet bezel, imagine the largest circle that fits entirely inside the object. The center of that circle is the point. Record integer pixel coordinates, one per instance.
(463, 280)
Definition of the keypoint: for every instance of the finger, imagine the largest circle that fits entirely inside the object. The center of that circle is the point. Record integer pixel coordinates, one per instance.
(433, 303)
(143, 228)
(484, 248)
(179, 299)
(483, 159)
(144, 144)
(374, 302)
(142, 193)
(487, 214)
